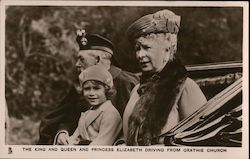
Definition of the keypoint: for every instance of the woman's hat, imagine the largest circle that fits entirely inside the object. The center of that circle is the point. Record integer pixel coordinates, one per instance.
(96, 73)
(164, 21)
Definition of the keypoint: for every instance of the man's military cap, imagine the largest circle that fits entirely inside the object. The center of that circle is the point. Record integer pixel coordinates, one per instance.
(93, 42)
(164, 21)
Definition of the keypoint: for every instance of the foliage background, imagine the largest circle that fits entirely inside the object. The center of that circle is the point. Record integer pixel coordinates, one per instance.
(41, 51)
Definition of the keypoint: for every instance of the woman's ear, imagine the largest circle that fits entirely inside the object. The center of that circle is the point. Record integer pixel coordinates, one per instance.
(167, 54)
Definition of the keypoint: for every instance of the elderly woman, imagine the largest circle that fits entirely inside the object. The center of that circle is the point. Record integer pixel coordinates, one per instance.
(165, 94)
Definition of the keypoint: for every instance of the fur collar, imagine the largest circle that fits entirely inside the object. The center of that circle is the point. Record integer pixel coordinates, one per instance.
(158, 93)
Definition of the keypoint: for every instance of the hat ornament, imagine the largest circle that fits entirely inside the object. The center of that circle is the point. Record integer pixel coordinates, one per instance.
(82, 34)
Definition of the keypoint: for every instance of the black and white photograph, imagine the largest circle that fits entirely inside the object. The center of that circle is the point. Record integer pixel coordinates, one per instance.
(124, 79)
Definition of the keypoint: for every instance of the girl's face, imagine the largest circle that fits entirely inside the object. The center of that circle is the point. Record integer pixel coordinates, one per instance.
(94, 93)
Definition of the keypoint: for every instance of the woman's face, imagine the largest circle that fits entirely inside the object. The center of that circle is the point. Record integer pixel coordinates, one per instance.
(153, 52)
(94, 93)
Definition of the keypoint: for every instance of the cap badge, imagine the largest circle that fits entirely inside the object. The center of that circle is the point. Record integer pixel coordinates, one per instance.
(82, 34)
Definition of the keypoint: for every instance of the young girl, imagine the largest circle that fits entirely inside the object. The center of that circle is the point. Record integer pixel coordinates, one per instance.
(101, 124)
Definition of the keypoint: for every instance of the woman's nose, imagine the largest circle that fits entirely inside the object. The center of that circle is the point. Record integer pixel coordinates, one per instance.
(91, 92)
(140, 54)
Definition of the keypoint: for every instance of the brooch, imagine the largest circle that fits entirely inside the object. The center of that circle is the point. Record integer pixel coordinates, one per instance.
(82, 34)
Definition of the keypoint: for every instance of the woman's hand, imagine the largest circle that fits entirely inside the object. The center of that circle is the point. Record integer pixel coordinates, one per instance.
(63, 139)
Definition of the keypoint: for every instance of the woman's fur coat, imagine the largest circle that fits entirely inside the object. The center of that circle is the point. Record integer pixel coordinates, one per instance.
(158, 93)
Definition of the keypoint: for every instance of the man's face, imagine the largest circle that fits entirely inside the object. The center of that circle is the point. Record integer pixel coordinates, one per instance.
(153, 52)
(85, 59)
(94, 92)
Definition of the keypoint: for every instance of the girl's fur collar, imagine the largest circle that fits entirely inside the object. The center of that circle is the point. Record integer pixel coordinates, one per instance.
(158, 94)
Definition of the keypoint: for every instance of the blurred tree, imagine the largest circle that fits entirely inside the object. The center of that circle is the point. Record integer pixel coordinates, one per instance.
(41, 49)
(207, 34)
(35, 72)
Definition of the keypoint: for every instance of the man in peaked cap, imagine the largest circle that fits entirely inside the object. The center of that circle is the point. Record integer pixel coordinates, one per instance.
(93, 49)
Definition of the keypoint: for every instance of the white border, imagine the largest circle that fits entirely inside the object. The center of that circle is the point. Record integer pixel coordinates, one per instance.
(245, 59)
(127, 3)
(2, 75)
(232, 153)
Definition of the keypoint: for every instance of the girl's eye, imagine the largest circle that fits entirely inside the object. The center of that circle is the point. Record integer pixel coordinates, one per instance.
(96, 87)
